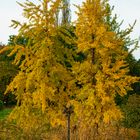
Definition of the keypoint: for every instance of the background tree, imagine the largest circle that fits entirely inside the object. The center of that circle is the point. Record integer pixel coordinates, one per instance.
(63, 16)
(132, 112)
(8, 70)
(134, 67)
(66, 12)
(14, 40)
(7, 73)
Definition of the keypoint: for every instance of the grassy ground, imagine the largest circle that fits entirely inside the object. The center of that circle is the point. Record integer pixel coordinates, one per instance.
(4, 113)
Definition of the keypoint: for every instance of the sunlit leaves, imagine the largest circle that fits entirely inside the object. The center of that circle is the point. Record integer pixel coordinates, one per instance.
(45, 83)
(104, 72)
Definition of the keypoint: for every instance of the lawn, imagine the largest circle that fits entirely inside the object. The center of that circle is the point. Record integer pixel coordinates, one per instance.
(4, 113)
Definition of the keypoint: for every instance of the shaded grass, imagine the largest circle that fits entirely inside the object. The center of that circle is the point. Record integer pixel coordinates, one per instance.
(5, 112)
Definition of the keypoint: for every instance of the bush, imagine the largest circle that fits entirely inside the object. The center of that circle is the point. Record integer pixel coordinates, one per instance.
(132, 113)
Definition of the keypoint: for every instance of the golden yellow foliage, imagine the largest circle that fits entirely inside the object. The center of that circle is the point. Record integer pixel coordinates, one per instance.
(50, 78)
(104, 72)
(43, 86)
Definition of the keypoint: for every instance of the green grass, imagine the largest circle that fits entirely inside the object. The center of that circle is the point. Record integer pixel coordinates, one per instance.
(4, 113)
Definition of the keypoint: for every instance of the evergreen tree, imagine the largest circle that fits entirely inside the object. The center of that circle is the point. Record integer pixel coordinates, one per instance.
(7, 72)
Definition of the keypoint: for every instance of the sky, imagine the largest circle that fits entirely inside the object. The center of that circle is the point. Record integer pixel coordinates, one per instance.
(127, 10)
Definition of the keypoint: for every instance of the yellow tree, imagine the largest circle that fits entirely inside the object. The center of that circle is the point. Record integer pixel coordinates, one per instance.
(104, 71)
(42, 87)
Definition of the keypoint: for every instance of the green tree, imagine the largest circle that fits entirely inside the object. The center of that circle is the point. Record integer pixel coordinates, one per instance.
(134, 66)
(132, 112)
(13, 40)
(7, 73)
(135, 71)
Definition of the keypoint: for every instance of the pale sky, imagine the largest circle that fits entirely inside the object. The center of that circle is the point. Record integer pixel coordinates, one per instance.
(127, 10)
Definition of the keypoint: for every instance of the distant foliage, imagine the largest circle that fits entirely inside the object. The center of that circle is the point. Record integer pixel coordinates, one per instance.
(132, 112)
(1, 104)
(134, 66)
(7, 73)
(14, 40)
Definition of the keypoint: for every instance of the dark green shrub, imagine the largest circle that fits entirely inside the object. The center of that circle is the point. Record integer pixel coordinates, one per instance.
(1, 105)
(132, 113)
